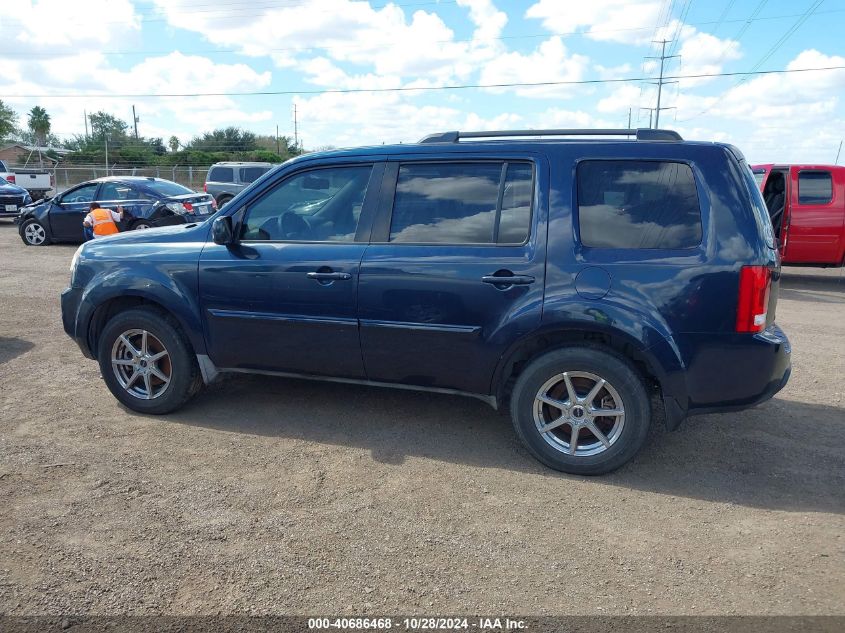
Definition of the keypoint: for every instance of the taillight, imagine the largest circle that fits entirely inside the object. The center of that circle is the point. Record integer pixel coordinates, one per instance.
(188, 206)
(10, 178)
(755, 282)
(205, 187)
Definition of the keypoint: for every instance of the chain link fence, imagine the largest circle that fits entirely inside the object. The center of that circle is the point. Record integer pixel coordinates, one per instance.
(65, 177)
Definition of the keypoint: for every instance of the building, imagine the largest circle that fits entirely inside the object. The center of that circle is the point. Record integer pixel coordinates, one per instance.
(21, 155)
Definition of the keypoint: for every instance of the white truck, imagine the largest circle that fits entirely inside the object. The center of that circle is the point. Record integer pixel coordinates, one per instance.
(36, 181)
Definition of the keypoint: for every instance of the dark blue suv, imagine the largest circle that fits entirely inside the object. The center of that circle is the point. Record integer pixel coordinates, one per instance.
(583, 283)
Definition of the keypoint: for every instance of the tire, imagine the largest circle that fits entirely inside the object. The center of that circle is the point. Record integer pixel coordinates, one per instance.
(222, 201)
(119, 362)
(33, 233)
(623, 391)
(140, 225)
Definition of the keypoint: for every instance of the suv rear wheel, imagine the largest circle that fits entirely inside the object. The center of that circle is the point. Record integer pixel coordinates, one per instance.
(581, 410)
(146, 361)
(223, 200)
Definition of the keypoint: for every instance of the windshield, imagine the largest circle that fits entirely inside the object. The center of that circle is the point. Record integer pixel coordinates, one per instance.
(166, 188)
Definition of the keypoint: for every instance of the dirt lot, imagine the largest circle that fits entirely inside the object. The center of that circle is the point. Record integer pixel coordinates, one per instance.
(282, 496)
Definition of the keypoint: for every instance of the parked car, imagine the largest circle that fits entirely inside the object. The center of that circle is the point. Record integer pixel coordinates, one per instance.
(227, 179)
(147, 203)
(12, 199)
(807, 206)
(576, 282)
(38, 182)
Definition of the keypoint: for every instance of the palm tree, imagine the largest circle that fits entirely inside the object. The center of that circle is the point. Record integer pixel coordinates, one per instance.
(39, 124)
(174, 144)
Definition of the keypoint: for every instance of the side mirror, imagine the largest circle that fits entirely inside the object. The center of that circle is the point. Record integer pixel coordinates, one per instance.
(221, 231)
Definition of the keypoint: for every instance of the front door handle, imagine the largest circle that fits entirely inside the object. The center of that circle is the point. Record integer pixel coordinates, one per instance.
(508, 280)
(329, 276)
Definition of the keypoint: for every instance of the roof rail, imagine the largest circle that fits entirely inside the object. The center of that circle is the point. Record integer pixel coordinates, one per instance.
(641, 134)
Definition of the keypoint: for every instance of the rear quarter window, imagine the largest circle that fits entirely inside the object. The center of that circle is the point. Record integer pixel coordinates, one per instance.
(636, 204)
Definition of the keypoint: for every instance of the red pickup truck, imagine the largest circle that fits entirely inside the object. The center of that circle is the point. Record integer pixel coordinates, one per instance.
(807, 207)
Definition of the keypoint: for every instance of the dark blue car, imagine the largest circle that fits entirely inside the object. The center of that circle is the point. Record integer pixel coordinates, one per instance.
(12, 199)
(580, 283)
(147, 203)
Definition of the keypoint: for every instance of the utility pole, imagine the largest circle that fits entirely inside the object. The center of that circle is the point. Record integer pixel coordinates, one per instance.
(106, 139)
(295, 131)
(836, 162)
(629, 119)
(660, 83)
(85, 114)
(278, 149)
(135, 122)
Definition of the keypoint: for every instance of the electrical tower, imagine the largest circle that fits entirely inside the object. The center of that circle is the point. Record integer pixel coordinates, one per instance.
(660, 83)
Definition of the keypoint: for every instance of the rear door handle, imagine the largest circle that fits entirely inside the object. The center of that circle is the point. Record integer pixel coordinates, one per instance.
(509, 280)
(329, 276)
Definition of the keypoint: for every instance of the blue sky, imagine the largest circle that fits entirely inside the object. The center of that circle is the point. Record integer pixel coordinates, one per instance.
(95, 49)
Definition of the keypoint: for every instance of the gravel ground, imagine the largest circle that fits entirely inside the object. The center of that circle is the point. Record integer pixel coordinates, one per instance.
(282, 496)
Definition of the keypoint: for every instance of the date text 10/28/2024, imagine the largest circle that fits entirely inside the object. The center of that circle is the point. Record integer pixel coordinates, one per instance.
(417, 624)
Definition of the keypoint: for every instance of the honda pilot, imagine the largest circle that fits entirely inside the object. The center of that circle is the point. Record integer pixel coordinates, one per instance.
(589, 281)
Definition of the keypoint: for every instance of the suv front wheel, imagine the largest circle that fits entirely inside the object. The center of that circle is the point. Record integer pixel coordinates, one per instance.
(146, 361)
(581, 410)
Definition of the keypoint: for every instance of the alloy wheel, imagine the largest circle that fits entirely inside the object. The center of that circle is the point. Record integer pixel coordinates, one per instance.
(579, 413)
(34, 234)
(141, 364)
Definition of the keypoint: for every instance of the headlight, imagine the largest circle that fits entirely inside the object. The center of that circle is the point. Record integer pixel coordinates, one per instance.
(27, 199)
(74, 263)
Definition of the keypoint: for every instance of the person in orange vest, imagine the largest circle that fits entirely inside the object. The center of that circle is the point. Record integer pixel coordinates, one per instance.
(101, 222)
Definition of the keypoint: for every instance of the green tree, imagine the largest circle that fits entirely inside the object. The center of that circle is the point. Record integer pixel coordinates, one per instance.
(8, 121)
(105, 124)
(230, 139)
(173, 143)
(39, 124)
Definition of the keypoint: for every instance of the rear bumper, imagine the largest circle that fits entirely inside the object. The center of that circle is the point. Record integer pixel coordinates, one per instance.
(73, 321)
(740, 373)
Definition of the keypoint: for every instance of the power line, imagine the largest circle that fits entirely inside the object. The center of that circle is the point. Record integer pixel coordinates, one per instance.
(801, 20)
(415, 88)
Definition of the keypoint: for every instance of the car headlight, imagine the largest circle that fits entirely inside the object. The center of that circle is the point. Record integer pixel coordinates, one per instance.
(27, 199)
(74, 263)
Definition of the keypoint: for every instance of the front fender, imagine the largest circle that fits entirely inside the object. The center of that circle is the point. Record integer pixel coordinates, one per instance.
(173, 287)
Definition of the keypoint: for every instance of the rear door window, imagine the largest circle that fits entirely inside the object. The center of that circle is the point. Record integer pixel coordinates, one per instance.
(221, 174)
(635, 204)
(815, 187)
(462, 203)
(251, 174)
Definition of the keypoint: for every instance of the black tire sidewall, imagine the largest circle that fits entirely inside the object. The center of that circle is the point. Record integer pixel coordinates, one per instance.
(620, 374)
(184, 369)
(29, 222)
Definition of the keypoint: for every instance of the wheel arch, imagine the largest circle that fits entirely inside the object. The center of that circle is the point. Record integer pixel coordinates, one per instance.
(660, 365)
(108, 308)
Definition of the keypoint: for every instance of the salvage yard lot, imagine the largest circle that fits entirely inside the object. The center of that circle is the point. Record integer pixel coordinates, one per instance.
(272, 495)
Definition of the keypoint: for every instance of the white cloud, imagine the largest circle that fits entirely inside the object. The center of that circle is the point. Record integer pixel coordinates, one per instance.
(383, 39)
(549, 62)
(604, 20)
